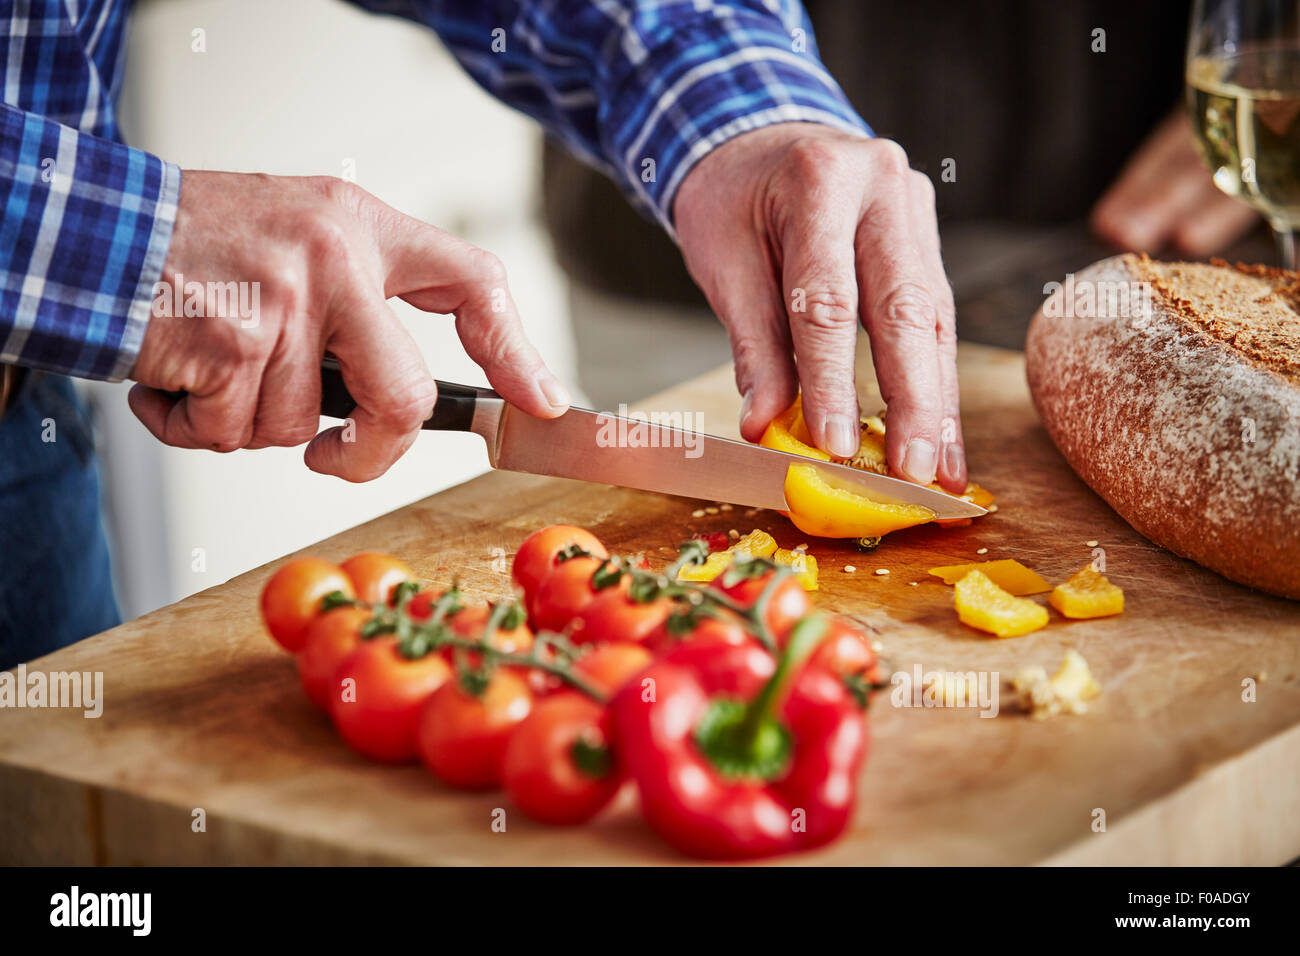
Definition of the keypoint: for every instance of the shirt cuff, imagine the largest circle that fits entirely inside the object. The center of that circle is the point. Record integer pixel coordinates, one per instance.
(151, 267)
(685, 98)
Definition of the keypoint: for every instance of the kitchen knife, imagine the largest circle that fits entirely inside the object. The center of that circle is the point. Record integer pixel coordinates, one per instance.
(632, 453)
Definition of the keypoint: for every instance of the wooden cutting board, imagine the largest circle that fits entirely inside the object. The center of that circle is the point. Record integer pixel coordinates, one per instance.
(203, 713)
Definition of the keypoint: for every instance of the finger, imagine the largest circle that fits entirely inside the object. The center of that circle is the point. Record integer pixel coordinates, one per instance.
(435, 271)
(386, 376)
(288, 409)
(1147, 221)
(1216, 223)
(220, 419)
(821, 295)
(902, 319)
(952, 451)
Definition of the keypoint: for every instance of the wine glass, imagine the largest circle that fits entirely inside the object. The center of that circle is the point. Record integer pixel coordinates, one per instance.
(1243, 91)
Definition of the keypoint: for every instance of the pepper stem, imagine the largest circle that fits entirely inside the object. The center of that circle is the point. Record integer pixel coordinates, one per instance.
(804, 639)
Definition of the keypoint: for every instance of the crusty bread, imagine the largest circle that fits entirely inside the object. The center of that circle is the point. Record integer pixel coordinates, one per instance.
(1183, 413)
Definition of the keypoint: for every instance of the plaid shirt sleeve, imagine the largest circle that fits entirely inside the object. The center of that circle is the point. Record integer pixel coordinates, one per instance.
(83, 235)
(642, 90)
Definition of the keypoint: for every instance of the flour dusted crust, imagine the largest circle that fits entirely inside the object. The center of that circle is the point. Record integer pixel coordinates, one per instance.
(1184, 417)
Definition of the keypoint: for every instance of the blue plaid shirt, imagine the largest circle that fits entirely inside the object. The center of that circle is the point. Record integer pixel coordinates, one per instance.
(641, 90)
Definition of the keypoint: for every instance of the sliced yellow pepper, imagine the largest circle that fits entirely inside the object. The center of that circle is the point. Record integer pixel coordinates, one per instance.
(1087, 594)
(819, 506)
(1008, 574)
(803, 565)
(982, 604)
(756, 544)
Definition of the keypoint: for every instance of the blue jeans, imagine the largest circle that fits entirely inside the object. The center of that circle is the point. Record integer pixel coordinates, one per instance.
(55, 581)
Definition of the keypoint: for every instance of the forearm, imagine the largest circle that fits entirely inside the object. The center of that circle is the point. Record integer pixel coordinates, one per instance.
(642, 92)
(85, 230)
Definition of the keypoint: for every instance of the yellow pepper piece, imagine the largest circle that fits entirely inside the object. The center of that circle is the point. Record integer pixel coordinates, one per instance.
(713, 565)
(983, 605)
(803, 565)
(818, 506)
(1010, 575)
(1087, 594)
(756, 544)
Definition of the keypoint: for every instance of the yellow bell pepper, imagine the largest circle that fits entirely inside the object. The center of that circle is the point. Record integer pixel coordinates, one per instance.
(1087, 594)
(803, 565)
(1008, 574)
(756, 544)
(819, 506)
(983, 605)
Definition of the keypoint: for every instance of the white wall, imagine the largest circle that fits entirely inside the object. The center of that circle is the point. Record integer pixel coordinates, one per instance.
(301, 87)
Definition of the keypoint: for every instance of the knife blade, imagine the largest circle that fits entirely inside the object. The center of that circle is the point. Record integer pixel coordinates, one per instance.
(635, 453)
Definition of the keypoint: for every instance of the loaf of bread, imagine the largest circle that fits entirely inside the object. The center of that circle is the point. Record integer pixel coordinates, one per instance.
(1173, 390)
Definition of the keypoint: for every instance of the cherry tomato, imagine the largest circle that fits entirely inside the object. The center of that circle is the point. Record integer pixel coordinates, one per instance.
(329, 639)
(726, 628)
(420, 606)
(378, 713)
(291, 598)
(469, 623)
(613, 616)
(536, 556)
(608, 667)
(566, 591)
(375, 575)
(463, 736)
(846, 651)
(557, 767)
(788, 603)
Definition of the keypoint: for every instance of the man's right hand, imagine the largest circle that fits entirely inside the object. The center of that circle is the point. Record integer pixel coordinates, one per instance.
(326, 255)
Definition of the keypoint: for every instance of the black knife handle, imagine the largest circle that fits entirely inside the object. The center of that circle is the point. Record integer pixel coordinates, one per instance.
(452, 412)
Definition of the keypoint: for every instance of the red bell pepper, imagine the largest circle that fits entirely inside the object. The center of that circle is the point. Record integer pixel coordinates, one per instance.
(737, 754)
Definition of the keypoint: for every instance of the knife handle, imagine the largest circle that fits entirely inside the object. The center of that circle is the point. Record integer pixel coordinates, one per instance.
(452, 412)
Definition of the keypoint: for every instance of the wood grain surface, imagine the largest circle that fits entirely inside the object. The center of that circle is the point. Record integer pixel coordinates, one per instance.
(203, 712)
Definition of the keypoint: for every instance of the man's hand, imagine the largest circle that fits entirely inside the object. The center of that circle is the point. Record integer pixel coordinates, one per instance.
(325, 255)
(1165, 195)
(796, 233)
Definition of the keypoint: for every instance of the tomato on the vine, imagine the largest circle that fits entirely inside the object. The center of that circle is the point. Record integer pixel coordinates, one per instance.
(787, 603)
(291, 599)
(471, 623)
(614, 616)
(375, 575)
(686, 624)
(607, 667)
(558, 767)
(846, 651)
(377, 696)
(566, 591)
(463, 733)
(540, 551)
(329, 639)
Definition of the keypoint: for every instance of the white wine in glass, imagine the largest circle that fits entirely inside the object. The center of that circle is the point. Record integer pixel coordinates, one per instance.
(1243, 90)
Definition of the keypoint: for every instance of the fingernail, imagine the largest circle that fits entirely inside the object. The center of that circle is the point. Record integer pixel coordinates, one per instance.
(556, 393)
(919, 461)
(842, 436)
(746, 406)
(953, 457)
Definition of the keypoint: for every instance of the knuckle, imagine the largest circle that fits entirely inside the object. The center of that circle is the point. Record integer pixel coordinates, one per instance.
(830, 310)
(922, 187)
(487, 267)
(407, 407)
(889, 157)
(816, 160)
(341, 192)
(908, 309)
